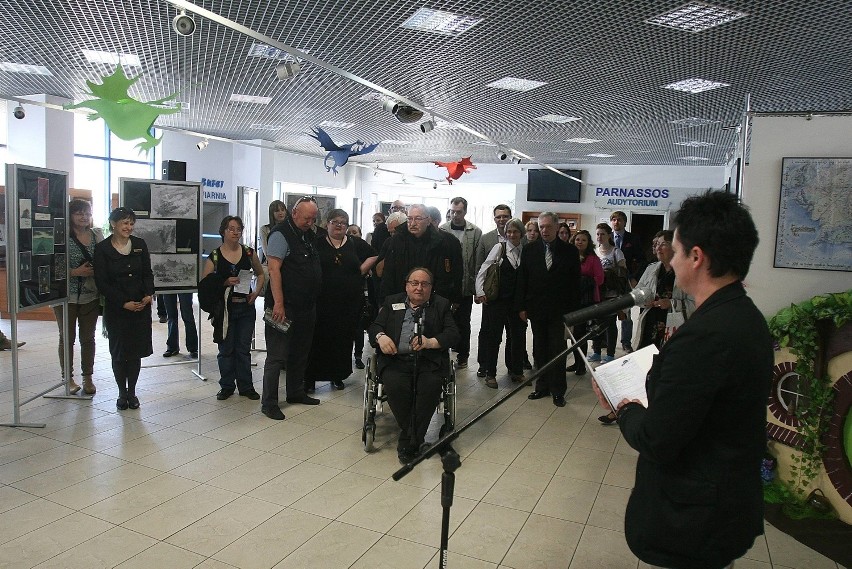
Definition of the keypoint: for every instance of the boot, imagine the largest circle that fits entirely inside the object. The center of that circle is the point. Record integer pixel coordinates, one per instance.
(88, 386)
(73, 388)
(121, 403)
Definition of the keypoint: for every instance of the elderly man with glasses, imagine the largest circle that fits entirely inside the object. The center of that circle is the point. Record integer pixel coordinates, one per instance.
(417, 243)
(401, 342)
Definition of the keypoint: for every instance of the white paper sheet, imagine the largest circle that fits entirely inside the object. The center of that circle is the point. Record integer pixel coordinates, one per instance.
(624, 378)
(245, 282)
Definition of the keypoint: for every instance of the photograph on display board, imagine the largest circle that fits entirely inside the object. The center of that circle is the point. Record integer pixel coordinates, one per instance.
(44, 279)
(25, 207)
(169, 201)
(43, 192)
(174, 270)
(59, 271)
(324, 205)
(59, 231)
(159, 234)
(42, 241)
(25, 266)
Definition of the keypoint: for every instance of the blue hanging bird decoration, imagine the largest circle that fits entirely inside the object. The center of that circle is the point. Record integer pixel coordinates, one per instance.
(339, 155)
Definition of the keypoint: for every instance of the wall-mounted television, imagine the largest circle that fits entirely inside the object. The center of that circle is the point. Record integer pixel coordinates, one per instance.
(545, 185)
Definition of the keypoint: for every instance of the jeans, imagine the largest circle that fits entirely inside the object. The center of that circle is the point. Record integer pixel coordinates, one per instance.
(171, 303)
(627, 330)
(234, 350)
(86, 317)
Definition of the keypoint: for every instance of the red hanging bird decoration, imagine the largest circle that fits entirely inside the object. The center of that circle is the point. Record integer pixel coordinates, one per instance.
(456, 169)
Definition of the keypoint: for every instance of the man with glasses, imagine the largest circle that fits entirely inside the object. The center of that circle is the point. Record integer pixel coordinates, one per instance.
(396, 206)
(295, 277)
(469, 235)
(399, 339)
(417, 244)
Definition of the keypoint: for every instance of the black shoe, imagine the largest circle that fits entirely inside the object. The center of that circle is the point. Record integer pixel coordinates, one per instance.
(163, 319)
(608, 419)
(251, 394)
(121, 403)
(338, 384)
(273, 413)
(481, 373)
(461, 363)
(627, 349)
(559, 400)
(133, 402)
(527, 364)
(170, 353)
(224, 394)
(193, 355)
(572, 367)
(405, 455)
(303, 400)
(359, 364)
(309, 390)
(538, 394)
(580, 371)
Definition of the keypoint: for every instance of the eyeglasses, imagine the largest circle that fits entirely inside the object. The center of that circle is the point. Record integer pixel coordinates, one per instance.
(305, 199)
(338, 223)
(398, 208)
(415, 284)
(417, 219)
(234, 229)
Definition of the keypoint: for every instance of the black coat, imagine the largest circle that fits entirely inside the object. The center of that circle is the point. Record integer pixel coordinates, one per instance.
(698, 498)
(548, 293)
(634, 257)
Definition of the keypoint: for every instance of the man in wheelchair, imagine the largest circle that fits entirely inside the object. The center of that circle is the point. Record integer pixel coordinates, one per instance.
(413, 332)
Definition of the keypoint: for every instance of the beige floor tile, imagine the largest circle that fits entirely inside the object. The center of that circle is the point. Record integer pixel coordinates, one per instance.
(253, 473)
(598, 437)
(623, 448)
(25, 448)
(383, 507)
(85, 429)
(181, 453)
(275, 435)
(179, 415)
(518, 489)
(313, 442)
(62, 477)
(752, 564)
(603, 549)
(585, 464)
(211, 421)
(12, 498)
(502, 449)
(293, 484)
(349, 422)
(216, 530)
(11, 436)
(336, 545)
(179, 512)
(319, 415)
(255, 549)
(214, 564)
(458, 561)
(44, 543)
(139, 499)
(621, 471)
(544, 543)
(791, 553)
(608, 509)
(521, 425)
(241, 428)
(759, 551)
(107, 549)
(216, 463)
(541, 456)
(488, 532)
(41, 462)
(568, 499)
(476, 477)
(337, 495)
(163, 555)
(102, 486)
(341, 455)
(394, 553)
(423, 523)
(153, 442)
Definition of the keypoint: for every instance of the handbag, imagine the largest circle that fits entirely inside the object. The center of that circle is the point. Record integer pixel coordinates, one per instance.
(491, 286)
(674, 320)
(85, 252)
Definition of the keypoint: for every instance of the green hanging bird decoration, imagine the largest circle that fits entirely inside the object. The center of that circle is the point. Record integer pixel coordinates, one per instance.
(126, 117)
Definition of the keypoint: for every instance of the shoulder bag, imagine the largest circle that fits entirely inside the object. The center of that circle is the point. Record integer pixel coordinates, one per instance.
(491, 286)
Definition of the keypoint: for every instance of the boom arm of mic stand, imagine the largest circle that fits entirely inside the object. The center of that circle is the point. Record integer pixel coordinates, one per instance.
(442, 445)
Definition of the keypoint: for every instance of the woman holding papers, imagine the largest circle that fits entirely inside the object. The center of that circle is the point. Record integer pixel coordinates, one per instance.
(233, 262)
(659, 279)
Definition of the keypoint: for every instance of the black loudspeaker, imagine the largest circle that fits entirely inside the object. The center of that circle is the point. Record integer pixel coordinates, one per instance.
(174, 170)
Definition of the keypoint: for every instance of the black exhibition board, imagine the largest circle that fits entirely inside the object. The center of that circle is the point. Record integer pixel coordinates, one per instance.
(168, 217)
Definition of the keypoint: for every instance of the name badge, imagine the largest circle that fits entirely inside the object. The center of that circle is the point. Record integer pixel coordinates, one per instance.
(398, 306)
(137, 251)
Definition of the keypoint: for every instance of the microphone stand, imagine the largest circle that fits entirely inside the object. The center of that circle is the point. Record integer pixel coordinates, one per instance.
(415, 378)
(450, 458)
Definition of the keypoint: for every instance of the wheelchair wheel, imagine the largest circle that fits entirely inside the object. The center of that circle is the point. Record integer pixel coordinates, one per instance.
(369, 436)
(450, 407)
(368, 433)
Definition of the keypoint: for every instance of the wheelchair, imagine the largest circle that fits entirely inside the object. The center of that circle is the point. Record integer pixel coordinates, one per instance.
(375, 399)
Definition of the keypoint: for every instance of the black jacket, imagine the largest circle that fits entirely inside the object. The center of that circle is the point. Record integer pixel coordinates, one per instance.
(548, 293)
(301, 271)
(436, 250)
(698, 498)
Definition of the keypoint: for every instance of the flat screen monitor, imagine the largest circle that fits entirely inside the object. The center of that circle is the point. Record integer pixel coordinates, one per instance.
(547, 186)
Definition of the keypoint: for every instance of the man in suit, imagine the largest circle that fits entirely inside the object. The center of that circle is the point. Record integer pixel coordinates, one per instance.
(395, 333)
(548, 287)
(629, 245)
(697, 501)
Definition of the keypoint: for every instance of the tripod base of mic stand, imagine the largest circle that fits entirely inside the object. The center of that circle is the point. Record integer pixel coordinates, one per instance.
(451, 461)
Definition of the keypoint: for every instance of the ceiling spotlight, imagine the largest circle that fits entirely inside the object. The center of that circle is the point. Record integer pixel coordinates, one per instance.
(183, 24)
(403, 113)
(516, 159)
(287, 70)
(427, 126)
(203, 144)
(501, 155)
(434, 185)
(19, 112)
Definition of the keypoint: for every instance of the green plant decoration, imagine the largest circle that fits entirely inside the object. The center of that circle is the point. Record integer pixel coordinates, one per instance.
(796, 327)
(126, 117)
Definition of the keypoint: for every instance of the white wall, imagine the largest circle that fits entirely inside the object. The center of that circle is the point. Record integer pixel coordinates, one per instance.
(772, 139)
(44, 138)
(216, 162)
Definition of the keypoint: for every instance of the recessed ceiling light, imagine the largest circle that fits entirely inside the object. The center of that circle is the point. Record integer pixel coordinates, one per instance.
(694, 158)
(445, 125)
(269, 52)
(24, 68)
(393, 142)
(693, 121)
(129, 59)
(261, 126)
(484, 143)
(601, 155)
(695, 85)
(238, 98)
(515, 84)
(375, 97)
(440, 22)
(694, 144)
(696, 17)
(336, 124)
(582, 140)
(560, 119)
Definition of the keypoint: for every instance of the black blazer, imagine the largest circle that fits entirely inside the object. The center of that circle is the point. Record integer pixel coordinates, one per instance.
(633, 255)
(548, 293)
(438, 323)
(698, 498)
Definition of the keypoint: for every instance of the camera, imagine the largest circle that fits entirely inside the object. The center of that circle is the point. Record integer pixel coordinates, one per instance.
(183, 24)
(19, 112)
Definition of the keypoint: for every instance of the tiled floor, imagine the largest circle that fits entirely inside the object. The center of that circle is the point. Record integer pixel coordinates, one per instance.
(189, 481)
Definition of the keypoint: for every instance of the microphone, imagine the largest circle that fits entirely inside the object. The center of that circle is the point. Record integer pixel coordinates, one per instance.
(638, 296)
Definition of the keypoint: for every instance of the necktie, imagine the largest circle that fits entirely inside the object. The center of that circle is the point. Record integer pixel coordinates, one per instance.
(618, 240)
(548, 256)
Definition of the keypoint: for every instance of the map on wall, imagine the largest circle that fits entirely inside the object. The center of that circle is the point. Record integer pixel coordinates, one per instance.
(814, 225)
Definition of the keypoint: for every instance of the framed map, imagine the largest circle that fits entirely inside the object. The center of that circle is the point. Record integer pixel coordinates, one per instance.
(814, 225)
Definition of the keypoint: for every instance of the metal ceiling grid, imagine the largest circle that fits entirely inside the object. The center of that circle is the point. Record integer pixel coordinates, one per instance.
(602, 63)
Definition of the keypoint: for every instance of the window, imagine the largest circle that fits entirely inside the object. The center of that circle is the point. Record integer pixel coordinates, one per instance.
(790, 393)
